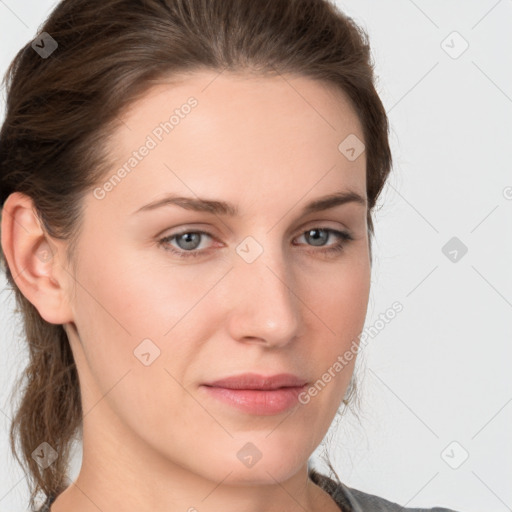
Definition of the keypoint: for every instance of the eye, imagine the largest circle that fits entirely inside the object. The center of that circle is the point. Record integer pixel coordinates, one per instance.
(188, 241)
(315, 236)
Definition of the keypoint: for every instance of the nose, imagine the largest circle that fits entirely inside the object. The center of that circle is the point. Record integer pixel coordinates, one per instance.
(264, 305)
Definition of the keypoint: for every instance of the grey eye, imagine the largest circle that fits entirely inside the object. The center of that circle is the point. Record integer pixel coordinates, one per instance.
(188, 240)
(315, 239)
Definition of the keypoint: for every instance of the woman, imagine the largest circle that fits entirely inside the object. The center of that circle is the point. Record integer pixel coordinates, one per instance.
(187, 191)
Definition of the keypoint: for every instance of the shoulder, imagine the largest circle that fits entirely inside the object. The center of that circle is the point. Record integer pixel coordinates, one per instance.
(374, 503)
(354, 500)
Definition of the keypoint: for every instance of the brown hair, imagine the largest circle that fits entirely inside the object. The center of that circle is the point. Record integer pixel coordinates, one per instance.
(61, 109)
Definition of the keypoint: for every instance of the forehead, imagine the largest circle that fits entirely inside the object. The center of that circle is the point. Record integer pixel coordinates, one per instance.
(213, 131)
(230, 96)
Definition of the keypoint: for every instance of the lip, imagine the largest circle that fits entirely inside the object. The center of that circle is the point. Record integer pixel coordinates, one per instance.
(257, 401)
(257, 394)
(257, 381)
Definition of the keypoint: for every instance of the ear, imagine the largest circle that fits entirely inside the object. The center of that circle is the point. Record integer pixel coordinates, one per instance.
(34, 260)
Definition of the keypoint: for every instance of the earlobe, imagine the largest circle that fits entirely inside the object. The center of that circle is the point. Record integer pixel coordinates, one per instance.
(33, 260)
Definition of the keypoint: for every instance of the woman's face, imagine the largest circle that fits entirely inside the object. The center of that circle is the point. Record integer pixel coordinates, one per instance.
(255, 292)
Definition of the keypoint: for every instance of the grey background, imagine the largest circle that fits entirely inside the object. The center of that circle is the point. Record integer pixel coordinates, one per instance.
(436, 379)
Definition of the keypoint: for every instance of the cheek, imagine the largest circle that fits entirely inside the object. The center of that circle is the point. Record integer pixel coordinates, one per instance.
(135, 296)
(337, 317)
(129, 365)
(130, 312)
(339, 296)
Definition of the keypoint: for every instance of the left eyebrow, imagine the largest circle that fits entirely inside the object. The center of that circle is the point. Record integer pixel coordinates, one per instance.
(231, 210)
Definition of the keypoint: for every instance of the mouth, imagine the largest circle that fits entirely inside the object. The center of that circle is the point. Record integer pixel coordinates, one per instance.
(257, 395)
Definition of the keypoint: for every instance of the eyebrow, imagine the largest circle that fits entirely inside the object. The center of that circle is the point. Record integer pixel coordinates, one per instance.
(227, 209)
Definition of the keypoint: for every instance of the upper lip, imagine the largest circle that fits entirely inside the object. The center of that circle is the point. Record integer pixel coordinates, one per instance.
(257, 381)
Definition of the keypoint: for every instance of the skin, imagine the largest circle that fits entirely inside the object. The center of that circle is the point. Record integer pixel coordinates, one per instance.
(153, 440)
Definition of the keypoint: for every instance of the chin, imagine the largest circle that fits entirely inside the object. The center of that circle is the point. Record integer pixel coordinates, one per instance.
(260, 473)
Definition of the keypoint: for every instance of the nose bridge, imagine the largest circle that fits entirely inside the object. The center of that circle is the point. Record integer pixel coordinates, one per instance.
(266, 306)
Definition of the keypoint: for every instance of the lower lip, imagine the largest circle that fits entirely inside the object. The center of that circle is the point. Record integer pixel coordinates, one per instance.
(261, 402)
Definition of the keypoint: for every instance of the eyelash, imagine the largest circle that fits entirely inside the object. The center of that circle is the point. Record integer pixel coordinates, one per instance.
(344, 236)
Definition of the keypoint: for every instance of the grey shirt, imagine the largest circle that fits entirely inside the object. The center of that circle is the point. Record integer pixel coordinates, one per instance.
(353, 500)
(347, 498)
